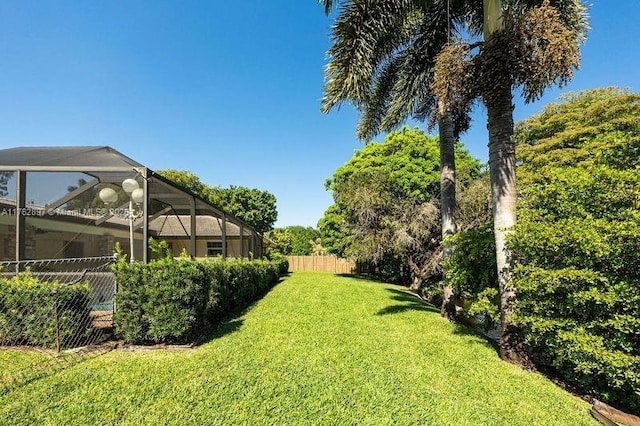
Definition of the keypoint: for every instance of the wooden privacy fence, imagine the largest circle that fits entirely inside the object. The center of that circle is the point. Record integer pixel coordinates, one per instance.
(321, 264)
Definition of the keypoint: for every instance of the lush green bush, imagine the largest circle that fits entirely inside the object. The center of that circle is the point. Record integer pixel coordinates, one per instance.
(577, 269)
(175, 300)
(280, 260)
(28, 310)
(235, 283)
(471, 271)
(129, 319)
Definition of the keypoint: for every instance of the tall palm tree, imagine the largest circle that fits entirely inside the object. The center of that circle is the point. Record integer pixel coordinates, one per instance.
(383, 58)
(382, 61)
(532, 44)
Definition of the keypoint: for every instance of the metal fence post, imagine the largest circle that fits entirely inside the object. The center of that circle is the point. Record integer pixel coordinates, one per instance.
(57, 320)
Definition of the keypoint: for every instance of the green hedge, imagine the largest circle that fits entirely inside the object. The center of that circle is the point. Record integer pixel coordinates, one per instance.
(28, 307)
(175, 300)
(576, 245)
(280, 260)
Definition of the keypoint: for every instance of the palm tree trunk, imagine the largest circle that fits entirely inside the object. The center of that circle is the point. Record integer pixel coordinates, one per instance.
(492, 17)
(502, 171)
(448, 202)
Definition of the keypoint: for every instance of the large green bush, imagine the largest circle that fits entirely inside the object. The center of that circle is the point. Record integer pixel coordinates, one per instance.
(577, 269)
(471, 271)
(175, 300)
(28, 309)
(280, 260)
(235, 283)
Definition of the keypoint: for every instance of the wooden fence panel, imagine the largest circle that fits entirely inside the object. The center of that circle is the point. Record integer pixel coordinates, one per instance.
(331, 264)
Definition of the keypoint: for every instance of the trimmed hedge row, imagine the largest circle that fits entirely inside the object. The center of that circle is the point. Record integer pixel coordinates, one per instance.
(174, 300)
(280, 260)
(28, 312)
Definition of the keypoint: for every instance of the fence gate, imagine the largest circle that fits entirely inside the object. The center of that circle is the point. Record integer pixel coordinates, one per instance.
(53, 313)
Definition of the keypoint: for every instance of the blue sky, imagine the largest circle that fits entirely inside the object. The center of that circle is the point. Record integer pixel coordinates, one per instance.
(228, 90)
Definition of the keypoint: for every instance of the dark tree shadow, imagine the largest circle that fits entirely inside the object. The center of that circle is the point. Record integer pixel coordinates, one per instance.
(480, 338)
(409, 302)
(368, 277)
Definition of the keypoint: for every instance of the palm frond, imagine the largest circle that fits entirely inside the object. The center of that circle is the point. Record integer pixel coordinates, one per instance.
(365, 33)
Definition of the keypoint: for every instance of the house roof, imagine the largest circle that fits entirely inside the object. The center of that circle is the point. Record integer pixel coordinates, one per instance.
(178, 226)
(51, 158)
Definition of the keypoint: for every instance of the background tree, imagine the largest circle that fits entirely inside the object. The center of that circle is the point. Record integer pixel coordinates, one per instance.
(333, 230)
(187, 180)
(294, 240)
(255, 207)
(385, 194)
(528, 44)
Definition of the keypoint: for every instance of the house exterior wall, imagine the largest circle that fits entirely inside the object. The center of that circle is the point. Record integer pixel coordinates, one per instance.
(233, 246)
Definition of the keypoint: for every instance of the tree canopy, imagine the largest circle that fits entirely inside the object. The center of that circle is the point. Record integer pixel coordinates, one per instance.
(294, 240)
(386, 208)
(411, 160)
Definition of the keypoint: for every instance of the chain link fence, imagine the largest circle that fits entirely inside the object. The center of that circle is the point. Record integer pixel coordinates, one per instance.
(53, 313)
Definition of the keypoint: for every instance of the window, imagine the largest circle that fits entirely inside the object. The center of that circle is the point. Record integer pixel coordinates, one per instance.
(214, 248)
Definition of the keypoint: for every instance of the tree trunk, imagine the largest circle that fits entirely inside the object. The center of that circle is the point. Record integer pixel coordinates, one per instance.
(492, 17)
(448, 203)
(502, 171)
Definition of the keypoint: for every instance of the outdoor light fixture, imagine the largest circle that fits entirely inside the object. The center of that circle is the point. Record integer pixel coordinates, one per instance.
(136, 195)
(130, 185)
(108, 195)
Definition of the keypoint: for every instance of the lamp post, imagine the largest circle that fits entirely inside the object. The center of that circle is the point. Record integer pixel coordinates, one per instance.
(136, 195)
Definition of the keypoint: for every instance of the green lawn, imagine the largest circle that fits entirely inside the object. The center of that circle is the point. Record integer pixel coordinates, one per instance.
(13, 360)
(17, 364)
(318, 349)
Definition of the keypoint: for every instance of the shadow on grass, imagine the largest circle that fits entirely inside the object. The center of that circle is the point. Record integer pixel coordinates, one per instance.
(409, 302)
(224, 329)
(231, 322)
(367, 277)
(480, 338)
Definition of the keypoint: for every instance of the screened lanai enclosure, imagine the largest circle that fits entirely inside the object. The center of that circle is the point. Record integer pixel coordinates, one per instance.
(79, 202)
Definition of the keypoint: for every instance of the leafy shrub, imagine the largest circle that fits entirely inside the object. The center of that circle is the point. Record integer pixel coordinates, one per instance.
(176, 303)
(280, 260)
(237, 282)
(471, 271)
(163, 301)
(28, 309)
(577, 270)
(129, 319)
(175, 300)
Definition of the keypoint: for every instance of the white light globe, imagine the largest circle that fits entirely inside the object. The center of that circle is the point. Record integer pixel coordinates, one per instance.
(137, 195)
(108, 195)
(130, 185)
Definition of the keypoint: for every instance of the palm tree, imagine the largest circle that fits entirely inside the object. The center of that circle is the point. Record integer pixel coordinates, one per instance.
(383, 61)
(543, 38)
